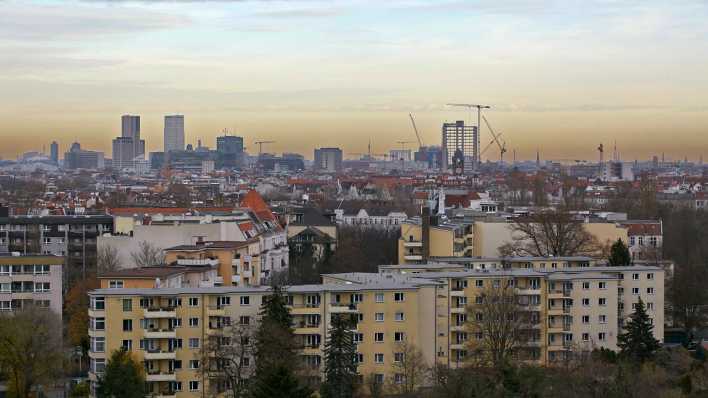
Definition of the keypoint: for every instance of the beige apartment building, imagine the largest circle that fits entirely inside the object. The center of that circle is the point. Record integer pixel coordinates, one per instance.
(425, 240)
(31, 279)
(570, 310)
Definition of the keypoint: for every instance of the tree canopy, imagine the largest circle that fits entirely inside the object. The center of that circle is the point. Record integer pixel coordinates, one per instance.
(123, 377)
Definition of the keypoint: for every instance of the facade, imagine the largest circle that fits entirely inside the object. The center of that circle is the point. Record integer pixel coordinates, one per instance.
(54, 152)
(72, 237)
(287, 162)
(196, 274)
(646, 237)
(570, 311)
(128, 149)
(78, 158)
(173, 133)
(459, 147)
(328, 159)
(374, 218)
(230, 151)
(31, 279)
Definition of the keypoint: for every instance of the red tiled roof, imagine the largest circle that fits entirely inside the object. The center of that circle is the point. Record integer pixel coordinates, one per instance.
(635, 229)
(255, 202)
(129, 211)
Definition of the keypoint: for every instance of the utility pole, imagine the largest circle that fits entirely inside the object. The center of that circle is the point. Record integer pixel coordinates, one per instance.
(479, 119)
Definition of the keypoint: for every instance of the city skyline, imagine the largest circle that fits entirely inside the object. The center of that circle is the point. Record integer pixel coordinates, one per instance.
(560, 77)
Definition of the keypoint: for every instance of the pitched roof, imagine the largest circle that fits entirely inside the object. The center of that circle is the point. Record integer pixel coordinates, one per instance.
(254, 201)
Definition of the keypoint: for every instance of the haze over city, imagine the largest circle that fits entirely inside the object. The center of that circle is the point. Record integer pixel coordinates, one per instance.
(560, 76)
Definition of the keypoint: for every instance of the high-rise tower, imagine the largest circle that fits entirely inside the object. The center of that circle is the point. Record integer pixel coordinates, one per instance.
(174, 133)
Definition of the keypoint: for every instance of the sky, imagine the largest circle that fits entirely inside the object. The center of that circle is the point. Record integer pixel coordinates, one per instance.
(560, 76)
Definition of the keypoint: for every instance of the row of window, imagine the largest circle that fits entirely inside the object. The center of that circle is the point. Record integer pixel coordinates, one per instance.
(379, 337)
(25, 287)
(37, 269)
(7, 305)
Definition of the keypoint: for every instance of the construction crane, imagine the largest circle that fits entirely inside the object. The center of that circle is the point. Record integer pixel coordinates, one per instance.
(502, 145)
(601, 149)
(479, 116)
(420, 142)
(260, 145)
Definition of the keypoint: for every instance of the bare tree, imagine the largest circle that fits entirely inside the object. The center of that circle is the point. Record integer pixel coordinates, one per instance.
(29, 354)
(411, 367)
(375, 386)
(497, 325)
(147, 255)
(227, 359)
(107, 259)
(550, 233)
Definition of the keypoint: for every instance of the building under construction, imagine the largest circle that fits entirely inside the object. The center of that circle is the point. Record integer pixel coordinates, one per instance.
(459, 145)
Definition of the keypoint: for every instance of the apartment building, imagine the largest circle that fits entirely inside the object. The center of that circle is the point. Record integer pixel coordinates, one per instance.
(568, 310)
(174, 276)
(237, 263)
(31, 279)
(72, 237)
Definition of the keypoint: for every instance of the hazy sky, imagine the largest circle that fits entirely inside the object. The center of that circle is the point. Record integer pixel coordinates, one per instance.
(561, 75)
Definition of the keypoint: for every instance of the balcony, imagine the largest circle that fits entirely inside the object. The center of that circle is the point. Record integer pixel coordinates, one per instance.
(160, 376)
(219, 280)
(303, 309)
(198, 261)
(455, 292)
(160, 334)
(216, 310)
(340, 308)
(236, 279)
(158, 354)
(559, 293)
(413, 257)
(160, 312)
(528, 291)
(412, 244)
(246, 273)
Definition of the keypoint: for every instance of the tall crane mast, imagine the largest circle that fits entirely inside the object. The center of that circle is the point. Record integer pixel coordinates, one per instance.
(479, 117)
(417, 135)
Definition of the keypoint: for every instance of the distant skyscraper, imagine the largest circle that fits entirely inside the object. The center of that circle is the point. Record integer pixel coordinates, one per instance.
(54, 152)
(328, 159)
(128, 148)
(130, 126)
(230, 151)
(78, 158)
(174, 133)
(459, 144)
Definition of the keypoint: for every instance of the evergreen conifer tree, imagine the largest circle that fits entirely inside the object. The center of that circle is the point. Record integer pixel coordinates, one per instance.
(619, 254)
(340, 360)
(123, 377)
(637, 343)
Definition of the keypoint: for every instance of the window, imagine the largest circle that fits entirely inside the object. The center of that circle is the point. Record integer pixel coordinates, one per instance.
(378, 358)
(223, 301)
(398, 378)
(586, 302)
(650, 290)
(586, 318)
(244, 320)
(357, 338)
(127, 305)
(650, 306)
(379, 317)
(357, 298)
(602, 318)
(378, 337)
(650, 276)
(602, 336)
(400, 317)
(194, 364)
(398, 297)
(635, 277)
(602, 301)
(479, 299)
(193, 385)
(586, 285)
(193, 342)
(586, 336)
(378, 377)
(193, 322)
(98, 344)
(41, 287)
(359, 357)
(245, 300)
(178, 364)
(115, 284)
(127, 325)
(399, 336)
(479, 283)
(127, 345)
(98, 323)
(635, 290)
(177, 385)
(397, 357)
(193, 302)
(379, 297)
(602, 285)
